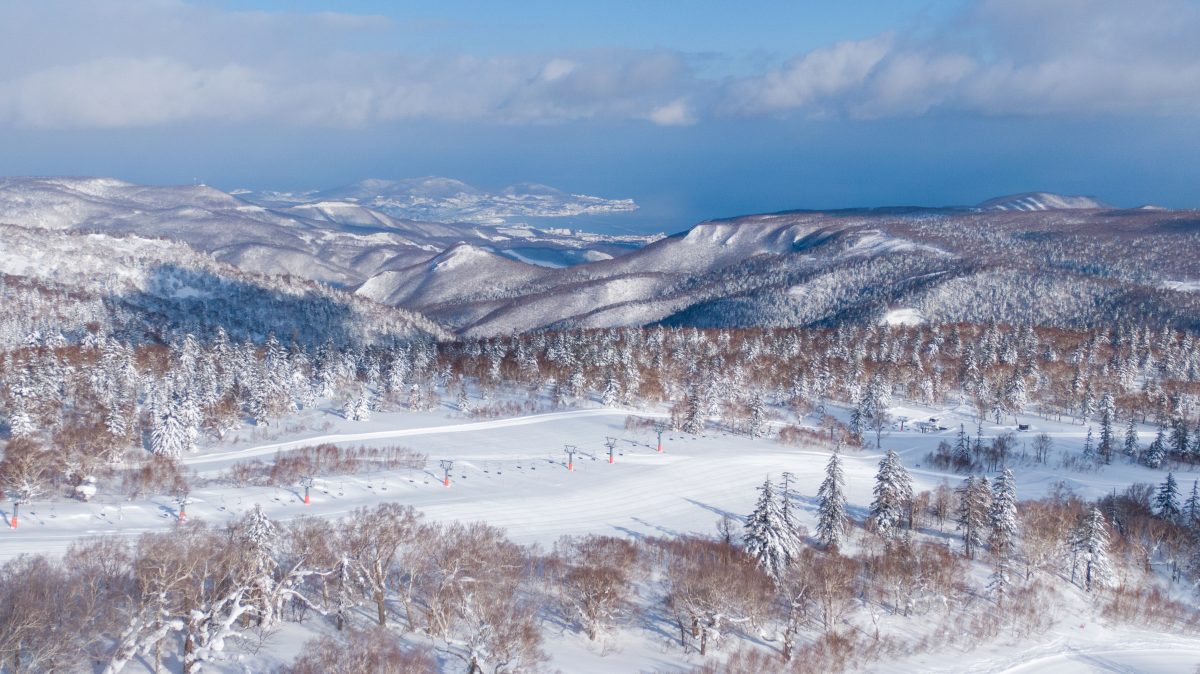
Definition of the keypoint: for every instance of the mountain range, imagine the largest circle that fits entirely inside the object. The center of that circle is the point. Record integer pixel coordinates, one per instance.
(1039, 257)
(448, 200)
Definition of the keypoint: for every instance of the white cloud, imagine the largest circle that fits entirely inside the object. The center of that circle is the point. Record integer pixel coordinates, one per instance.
(675, 113)
(129, 63)
(1002, 57)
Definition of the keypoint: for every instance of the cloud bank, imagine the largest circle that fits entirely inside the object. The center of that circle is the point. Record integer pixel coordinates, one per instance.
(121, 63)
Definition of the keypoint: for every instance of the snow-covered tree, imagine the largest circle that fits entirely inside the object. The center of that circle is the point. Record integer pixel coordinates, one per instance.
(357, 407)
(1156, 453)
(1191, 507)
(766, 537)
(756, 424)
(258, 537)
(832, 518)
(1130, 448)
(20, 420)
(961, 455)
(786, 495)
(172, 432)
(974, 503)
(463, 400)
(612, 393)
(1089, 548)
(892, 497)
(1002, 517)
(1108, 439)
(1016, 397)
(1089, 446)
(1166, 499)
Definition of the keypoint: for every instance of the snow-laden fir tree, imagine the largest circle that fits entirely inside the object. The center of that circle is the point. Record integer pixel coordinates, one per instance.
(1191, 507)
(832, 518)
(693, 415)
(1089, 447)
(463, 400)
(1166, 500)
(1089, 549)
(785, 507)
(170, 432)
(1108, 439)
(1002, 517)
(756, 424)
(1179, 436)
(1015, 395)
(258, 537)
(1156, 453)
(892, 497)
(974, 502)
(766, 536)
(1130, 448)
(962, 449)
(357, 407)
(20, 421)
(612, 393)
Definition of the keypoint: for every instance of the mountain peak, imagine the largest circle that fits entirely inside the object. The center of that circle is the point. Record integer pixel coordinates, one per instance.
(1041, 201)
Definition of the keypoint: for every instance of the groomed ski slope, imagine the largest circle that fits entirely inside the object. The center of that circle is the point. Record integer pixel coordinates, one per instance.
(512, 473)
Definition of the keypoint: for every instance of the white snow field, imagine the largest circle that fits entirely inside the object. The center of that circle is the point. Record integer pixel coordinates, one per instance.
(511, 473)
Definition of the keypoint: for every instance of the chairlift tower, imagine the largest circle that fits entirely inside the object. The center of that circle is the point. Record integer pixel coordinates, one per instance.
(611, 443)
(570, 451)
(182, 501)
(447, 465)
(307, 482)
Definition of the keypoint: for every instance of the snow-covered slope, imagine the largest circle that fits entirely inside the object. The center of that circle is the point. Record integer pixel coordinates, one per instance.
(449, 200)
(1041, 201)
(340, 241)
(150, 289)
(1060, 267)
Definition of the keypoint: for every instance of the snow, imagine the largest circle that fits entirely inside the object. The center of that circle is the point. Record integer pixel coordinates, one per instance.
(903, 316)
(510, 472)
(1041, 201)
(1182, 286)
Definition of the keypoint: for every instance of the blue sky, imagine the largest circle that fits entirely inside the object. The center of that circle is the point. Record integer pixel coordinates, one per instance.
(695, 109)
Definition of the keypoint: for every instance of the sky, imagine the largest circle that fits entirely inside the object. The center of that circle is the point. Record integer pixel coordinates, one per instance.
(694, 108)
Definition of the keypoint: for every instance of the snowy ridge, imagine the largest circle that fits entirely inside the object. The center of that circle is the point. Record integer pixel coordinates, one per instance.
(335, 238)
(145, 289)
(1041, 201)
(448, 200)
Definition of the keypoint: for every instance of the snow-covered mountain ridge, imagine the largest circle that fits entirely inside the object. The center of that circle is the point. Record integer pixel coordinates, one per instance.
(91, 285)
(337, 242)
(1041, 201)
(1050, 265)
(1057, 267)
(448, 200)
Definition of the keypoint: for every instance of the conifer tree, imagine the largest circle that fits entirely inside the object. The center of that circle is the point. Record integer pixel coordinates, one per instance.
(1166, 501)
(1179, 436)
(785, 508)
(832, 519)
(1002, 517)
(892, 497)
(1156, 453)
(1131, 440)
(1191, 507)
(756, 425)
(1107, 436)
(974, 502)
(170, 432)
(962, 449)
(1089, 547)
(766, 537)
